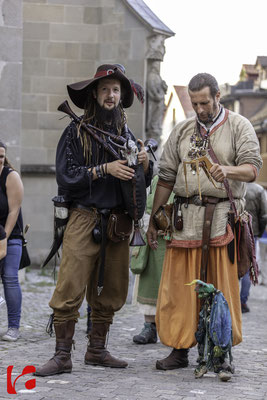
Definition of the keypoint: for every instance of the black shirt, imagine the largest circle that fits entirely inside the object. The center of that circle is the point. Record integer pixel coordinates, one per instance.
(4, 209)
(74, 179)
(2, 233)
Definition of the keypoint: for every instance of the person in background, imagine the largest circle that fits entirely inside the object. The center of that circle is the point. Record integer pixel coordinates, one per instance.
(148, 264)
(262, 241)
(3, 248)
(256, 205)
(11, 195)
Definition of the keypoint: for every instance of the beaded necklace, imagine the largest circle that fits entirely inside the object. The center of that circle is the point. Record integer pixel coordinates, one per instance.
(199, 143)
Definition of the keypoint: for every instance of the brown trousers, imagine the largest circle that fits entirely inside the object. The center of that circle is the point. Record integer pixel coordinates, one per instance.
(78, 273)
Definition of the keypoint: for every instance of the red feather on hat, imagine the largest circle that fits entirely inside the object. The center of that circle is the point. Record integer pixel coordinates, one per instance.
(138, 91)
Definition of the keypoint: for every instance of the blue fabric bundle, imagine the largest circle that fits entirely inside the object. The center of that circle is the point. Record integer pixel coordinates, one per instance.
(220, 321)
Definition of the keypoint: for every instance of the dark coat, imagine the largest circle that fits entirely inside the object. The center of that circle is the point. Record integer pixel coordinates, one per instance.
(256, 205)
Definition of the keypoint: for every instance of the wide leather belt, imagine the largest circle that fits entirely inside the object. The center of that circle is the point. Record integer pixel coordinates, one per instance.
(200, 202)
(81, 207)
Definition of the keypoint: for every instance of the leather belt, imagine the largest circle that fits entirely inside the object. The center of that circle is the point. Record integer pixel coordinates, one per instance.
(200, 202)
(209, 202)
(81, 207)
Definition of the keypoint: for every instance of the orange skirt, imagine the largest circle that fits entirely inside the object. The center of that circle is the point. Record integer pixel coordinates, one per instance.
(178, 305)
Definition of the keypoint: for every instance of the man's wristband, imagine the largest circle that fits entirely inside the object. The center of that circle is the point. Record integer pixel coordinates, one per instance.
(98, 172)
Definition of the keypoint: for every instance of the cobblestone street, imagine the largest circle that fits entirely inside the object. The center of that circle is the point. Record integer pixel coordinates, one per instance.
(140, 380)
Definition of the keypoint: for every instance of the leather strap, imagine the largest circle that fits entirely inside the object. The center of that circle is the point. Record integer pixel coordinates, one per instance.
(104, 215)
(209, 210)
(233, 214)
(64, 345)
(225, 182)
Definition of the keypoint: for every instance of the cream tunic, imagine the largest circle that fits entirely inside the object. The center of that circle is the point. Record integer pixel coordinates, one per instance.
(234, 142)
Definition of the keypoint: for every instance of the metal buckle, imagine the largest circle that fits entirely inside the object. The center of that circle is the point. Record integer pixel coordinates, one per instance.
(196, 200)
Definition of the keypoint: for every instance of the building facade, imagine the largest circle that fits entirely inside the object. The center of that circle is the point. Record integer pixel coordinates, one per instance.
(249, 98)
(45, 45)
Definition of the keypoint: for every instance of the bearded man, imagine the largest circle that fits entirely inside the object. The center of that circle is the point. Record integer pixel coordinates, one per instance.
(199, 247)
(89, 178)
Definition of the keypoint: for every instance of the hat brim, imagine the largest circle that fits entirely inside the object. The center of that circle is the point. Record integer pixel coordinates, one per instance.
(80, 91)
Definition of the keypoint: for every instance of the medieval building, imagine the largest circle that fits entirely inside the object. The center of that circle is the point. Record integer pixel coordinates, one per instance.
(249, 98)
(48, 44)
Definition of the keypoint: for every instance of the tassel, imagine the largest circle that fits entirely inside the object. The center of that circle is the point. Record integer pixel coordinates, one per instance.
(138, 91)
(49, 326)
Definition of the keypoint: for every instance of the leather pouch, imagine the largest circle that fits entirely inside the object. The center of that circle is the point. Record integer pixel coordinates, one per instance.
(163, 217)
(25, 260)
(245, 244)
(177, 217)
(120, 226)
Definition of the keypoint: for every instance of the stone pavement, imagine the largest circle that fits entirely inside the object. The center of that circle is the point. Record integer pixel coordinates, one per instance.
(140, 380)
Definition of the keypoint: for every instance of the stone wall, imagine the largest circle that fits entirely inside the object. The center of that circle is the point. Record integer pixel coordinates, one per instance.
(63, 42)
(11, 76)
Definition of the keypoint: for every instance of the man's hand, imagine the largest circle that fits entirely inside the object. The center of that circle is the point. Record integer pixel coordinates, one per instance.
(142, 156)
(152, 235)
(218, 172)
(120, 170)
(243, 173)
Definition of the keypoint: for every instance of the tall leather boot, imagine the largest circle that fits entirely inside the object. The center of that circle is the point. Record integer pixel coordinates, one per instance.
(61, 361)
(97, 354)
(177, 359)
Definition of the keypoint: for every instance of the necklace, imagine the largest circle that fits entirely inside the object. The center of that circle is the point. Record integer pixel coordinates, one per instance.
(199, 142)
(198, 146)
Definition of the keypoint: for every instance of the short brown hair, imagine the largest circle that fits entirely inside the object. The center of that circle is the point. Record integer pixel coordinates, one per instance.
(202, 80)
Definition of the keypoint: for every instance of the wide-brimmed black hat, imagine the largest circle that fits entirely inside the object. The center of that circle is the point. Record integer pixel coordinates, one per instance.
(79, 91)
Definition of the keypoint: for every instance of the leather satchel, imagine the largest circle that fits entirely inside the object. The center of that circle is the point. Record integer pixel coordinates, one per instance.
(120, 226)
(25, 260)
(246, 257)
(163, 217)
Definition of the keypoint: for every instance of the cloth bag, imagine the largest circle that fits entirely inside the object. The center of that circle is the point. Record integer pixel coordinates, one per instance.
(139, 259)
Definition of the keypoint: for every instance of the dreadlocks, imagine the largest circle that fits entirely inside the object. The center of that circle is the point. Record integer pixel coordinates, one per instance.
(99, 117)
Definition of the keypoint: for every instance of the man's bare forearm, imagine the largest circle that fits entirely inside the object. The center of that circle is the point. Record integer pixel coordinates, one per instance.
(243, 173)
(161, 197)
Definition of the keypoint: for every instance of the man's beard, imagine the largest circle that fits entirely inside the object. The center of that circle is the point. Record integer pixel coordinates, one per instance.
(108, 117)
(211, 116)
(206, 121)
